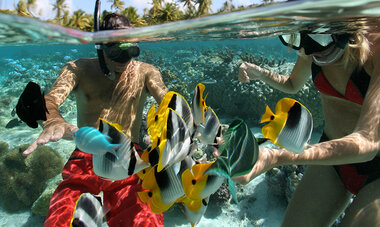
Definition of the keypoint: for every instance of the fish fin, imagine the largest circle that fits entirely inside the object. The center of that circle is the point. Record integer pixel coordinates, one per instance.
(113, 148)
(177, 167)
(151, 116)
(222, 173)
(267, 116)
(118, 127)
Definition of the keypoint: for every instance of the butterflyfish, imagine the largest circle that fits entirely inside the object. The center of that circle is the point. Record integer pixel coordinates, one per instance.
(290, 127)
(155, 118)
(198, 105)
(89, 211)
(208, 131)
(175, 140)
(198, 185)
(160, 189)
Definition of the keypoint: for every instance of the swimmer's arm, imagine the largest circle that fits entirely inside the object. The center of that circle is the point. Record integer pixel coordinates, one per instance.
(62, 87)
(360, 146)
(55, 127)
(293, 83)
(155, 84)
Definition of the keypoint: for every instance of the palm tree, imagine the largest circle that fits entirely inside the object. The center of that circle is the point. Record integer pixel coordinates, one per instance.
(60, 6)
(79, 20)
(170, 12)
(227, 7)
(204, 7)
(187, 3)
(31, 5)
(117, 4)
(131, 13)
(22, 9)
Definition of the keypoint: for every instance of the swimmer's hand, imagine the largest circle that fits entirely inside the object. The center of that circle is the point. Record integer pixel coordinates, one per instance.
(268, 159)
(249, 71)
(53, 132)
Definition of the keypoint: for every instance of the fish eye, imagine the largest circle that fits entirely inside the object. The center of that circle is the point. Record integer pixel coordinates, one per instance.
(143, 171)
(156, 118)
(150, 194)
(271, 118)
(193, 182)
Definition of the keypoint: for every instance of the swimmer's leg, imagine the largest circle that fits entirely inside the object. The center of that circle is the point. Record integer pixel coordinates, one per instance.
(365, 209)
(78, 178)
(126, 207)
(318, 200)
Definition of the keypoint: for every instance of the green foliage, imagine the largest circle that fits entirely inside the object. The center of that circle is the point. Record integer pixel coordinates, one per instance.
(159, 13)
(24, 177)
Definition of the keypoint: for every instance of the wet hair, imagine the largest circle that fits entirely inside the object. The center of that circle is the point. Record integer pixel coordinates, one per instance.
(357, 51)
(115, 21)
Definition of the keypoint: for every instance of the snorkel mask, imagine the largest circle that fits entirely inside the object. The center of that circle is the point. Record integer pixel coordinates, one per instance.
(118, 52)
(318, 43)
(121, 52)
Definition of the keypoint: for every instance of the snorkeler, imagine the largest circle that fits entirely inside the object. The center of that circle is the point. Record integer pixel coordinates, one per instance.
(114, 87)
(345, 69)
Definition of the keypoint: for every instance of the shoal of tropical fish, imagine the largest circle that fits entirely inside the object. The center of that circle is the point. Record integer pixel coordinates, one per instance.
(167, 170)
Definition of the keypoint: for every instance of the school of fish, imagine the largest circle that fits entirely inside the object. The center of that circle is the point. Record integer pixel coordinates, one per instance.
(167, 171)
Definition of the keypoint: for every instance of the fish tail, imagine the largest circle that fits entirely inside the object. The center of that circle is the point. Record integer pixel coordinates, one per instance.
(267, 116)
(112, 149)
(222, 173)
(231, 186)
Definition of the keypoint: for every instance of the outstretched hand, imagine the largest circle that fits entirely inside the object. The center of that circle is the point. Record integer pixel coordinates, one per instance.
(249, 71)
(266, 161)
(52, 133)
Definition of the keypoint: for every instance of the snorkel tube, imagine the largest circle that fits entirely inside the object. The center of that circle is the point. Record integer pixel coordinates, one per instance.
(98, 46)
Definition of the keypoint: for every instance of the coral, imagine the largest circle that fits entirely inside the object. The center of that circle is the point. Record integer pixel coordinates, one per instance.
(41, 205)
(283, 181)
(174, 83)
(221, 196)
(227, 55)
(4, 147)
(25, 177)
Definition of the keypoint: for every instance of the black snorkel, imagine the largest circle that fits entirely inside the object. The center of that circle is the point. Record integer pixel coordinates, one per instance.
(98, 46)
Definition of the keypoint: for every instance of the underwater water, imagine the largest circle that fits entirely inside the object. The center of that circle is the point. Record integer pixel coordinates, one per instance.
(208, 50)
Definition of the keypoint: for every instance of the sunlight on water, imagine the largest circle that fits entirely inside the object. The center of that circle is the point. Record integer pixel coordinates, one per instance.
(338, 15)
(215, 46)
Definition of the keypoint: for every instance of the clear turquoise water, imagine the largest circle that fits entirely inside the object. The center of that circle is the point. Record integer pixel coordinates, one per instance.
(204, 50)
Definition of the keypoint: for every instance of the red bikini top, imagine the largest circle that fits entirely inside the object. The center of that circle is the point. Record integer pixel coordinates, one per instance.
(356, 88)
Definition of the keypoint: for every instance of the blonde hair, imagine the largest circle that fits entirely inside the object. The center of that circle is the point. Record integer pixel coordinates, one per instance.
(357, 51)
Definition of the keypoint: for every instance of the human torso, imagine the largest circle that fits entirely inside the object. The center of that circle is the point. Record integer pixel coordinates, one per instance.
(118, 101)
(342, 109)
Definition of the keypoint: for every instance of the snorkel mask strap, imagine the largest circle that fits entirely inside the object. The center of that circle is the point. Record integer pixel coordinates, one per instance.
(99, 50)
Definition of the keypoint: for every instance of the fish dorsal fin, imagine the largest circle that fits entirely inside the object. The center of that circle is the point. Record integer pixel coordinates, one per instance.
(151, 116)
(198, 104)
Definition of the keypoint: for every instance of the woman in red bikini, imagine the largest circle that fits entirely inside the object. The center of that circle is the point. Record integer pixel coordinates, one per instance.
(346, 70)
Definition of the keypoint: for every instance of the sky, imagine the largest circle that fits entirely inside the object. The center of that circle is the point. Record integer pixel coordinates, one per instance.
(45, 9)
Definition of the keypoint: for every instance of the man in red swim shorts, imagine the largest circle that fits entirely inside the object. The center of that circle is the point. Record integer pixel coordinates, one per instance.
(114, 87)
